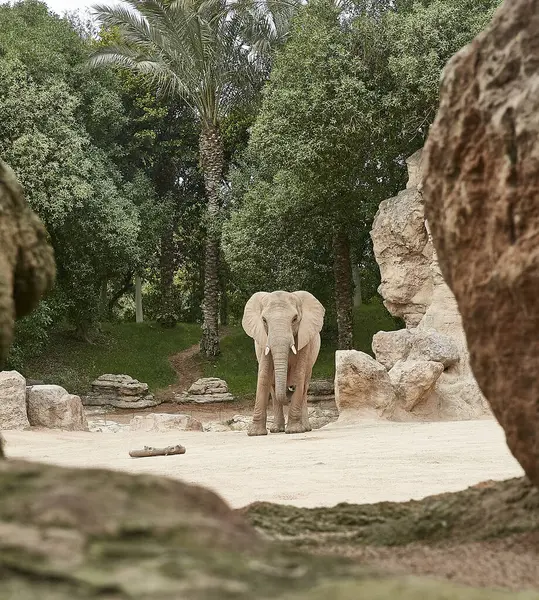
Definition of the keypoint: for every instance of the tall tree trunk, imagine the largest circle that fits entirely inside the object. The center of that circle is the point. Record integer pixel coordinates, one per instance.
(356, 276)
(212, 161)
(223, 299)
(342, 269)
(166, 316)
(103, 300)
(139, 316)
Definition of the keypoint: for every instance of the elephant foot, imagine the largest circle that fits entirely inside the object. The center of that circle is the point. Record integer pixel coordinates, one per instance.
(307, 426)
(277, 428)
(295, 428)
(257, 429)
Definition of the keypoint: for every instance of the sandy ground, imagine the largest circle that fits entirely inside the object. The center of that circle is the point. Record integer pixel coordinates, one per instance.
(358, 464)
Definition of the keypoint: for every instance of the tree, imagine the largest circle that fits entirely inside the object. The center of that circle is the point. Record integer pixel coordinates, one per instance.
(211, 53)
(61, 123)
(313, 145)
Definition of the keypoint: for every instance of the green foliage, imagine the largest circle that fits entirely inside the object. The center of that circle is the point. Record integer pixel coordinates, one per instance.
(59, 131)
(139, 350)
(350, 96)
(422, 39)
(31, 336)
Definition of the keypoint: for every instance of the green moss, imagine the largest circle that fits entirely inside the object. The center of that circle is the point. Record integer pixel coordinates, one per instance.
(498, 510)
(148, 538)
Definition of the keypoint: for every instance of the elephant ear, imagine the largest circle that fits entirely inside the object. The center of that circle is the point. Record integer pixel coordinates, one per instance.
(312, 318)
(252, 318)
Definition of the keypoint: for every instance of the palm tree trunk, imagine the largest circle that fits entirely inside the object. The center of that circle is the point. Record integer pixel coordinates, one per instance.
(342, 270)
(212, 161)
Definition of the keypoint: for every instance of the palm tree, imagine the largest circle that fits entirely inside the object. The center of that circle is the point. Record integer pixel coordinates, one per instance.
(213, 54)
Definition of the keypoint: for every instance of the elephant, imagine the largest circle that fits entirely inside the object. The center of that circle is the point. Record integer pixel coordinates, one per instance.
(286, 329)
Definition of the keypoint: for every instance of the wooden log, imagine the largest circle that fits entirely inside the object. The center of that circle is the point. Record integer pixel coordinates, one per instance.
(149, 451)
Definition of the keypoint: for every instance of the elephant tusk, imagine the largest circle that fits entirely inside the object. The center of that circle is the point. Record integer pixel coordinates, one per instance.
(293, 348)
(267, 351)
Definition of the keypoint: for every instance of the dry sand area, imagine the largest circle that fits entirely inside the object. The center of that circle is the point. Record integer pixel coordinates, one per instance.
(355, 463)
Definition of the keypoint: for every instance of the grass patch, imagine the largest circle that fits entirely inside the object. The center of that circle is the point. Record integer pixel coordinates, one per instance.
(139, 350)
(143, 350)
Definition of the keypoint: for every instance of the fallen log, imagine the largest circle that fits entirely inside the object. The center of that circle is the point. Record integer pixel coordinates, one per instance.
(149, 451)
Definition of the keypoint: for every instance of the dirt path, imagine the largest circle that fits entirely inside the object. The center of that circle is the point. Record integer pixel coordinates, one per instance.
(359, 464)
(189, 367)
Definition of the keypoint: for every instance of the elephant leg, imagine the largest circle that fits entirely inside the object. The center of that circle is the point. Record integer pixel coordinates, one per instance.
(305, 408)
(278, 415)
(295, 422)
(258, 426)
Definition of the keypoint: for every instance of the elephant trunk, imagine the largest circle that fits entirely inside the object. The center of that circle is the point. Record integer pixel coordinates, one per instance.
(280, 349)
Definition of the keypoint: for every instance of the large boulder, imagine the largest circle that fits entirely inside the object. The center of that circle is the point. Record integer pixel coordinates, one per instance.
(13, 401)
(391, 346)
(93, 534)
(481, 196)
(431, 345)
(120, 391)
(413, 381)
(53, 407)
(363, 389)
(165, 422)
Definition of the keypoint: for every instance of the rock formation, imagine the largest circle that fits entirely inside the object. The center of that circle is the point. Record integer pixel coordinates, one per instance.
(13, 401)
(428, 362)
(363, 389)
(53, 407)
(207, 390)
(27, 268)
(159, 422)
(482, 201)
(120, 391)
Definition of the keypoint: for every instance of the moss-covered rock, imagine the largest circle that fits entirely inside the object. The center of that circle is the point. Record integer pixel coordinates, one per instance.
(490, 510)
(73, 533)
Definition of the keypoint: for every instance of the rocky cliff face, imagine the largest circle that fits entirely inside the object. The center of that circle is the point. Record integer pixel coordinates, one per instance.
(482, 200)
(429, 362)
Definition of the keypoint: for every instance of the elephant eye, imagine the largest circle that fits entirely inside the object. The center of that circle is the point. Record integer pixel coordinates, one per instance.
(295, 318)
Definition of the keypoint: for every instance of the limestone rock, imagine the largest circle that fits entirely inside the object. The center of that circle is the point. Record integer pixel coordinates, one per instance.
(402, 249)
(413, 380)
(13, 401)
(430, 345)
(207, 390)
(106, 426)
(320, 417)
(363, 389)
(413, 288)
(53, 407)
(480, 188)
(391, 346)
(120, 391)
(165, 422)
(215, 426)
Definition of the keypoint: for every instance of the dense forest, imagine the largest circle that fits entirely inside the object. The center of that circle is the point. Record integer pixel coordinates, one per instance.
(186, 155)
